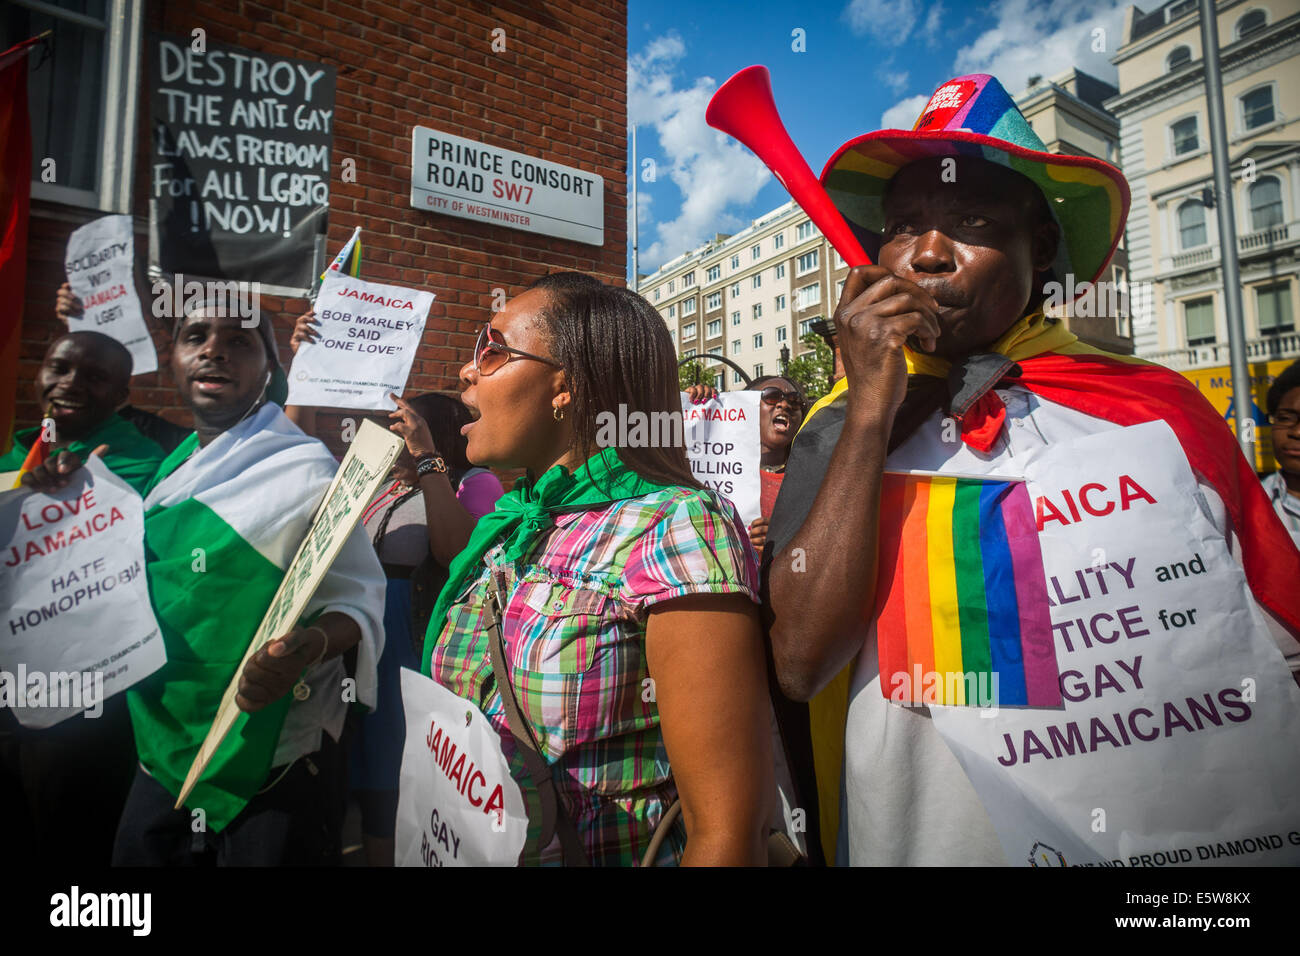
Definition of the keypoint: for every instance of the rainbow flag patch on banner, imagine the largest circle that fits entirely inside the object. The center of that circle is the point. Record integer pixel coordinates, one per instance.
(963, 614)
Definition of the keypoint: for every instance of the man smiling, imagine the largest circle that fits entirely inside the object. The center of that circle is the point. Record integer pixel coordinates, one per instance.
(952, 367)
(82, 382)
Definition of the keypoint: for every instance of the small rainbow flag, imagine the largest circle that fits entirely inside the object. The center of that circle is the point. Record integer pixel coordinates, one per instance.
(349, 258)
(961, 591)
(37, 454)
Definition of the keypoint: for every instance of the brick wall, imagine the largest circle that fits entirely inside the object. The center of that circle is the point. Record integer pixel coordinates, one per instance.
(557, 91)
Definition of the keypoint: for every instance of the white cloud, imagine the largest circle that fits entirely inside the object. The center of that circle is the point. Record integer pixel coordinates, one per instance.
(712, 171)
(930, 32)
(903, 115)
(889, 21)
(896, 81)
(1044, 38)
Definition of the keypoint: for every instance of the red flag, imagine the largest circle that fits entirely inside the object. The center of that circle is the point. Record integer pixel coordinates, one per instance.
(15, 197)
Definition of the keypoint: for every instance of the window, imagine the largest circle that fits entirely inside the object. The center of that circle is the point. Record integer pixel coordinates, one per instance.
(735, 346)
(1265, 204)
(1257, 108)
(82, 101)
(735, 262)
(780, 270)
(714, 274)
(756, 281)
(839, 290)
(1178, 57)
(688, 307)
(672, 312)
(1178, 9)
(719, 379)
(808, 296)
(713, 302)
(805, 230)
(736, 378)
(778, 241)
(839, 260)
(780, 303)
(735, 318)
(671, 286)
(1252, 22)
(755, 252)
(806, 263)
(758, 340)
(1198, 317)
(716, 350)
(781, 332)
(758, 370)
(688, 332)
(656, 295)
(735, 289)
(688, 280)
(689, 353)
(715, 328)
(1191, 224)
(1273, 304)
(805, 327)
(758, 310)
(1184, 133)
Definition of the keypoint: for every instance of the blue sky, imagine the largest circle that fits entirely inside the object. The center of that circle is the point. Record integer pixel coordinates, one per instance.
(868, 64)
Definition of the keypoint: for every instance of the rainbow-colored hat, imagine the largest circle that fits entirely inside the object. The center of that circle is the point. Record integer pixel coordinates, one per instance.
(974, 116)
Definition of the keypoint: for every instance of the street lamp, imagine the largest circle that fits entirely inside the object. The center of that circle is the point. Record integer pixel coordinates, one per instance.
(785, 359)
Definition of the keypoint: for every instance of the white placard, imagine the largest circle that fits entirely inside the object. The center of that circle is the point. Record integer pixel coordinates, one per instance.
(470, 180)
(369, 334)
(1176, 744)
(724, 448)
(72, 582)
(100, 269)
(457, 805)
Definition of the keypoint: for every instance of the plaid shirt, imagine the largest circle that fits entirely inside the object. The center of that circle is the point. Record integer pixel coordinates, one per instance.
(574, 630)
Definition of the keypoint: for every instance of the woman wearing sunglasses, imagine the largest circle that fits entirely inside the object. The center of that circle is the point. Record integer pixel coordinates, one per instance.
(781, 411)
(625, 592)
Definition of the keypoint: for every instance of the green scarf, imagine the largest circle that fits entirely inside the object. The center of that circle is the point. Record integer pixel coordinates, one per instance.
(525, 512)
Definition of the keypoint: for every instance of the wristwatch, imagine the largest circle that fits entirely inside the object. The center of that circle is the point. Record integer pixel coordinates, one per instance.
(429, 464)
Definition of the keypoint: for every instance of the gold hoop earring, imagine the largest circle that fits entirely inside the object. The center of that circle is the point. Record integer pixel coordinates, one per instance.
(557, 412)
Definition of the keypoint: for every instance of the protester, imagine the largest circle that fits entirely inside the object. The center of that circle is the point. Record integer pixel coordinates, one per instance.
(224, 516)
(158, 429)
(630, 632)
(82, 382)
(781, 409)
(47, 776)
(1283, 486)
(418, 524)
(966, 246)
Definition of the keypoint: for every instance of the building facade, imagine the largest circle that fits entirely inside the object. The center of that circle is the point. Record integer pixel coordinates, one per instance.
(549, 82)
(749, 297)
(1173, 235)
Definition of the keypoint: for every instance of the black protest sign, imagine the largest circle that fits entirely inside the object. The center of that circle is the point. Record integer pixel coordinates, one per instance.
(239, 162)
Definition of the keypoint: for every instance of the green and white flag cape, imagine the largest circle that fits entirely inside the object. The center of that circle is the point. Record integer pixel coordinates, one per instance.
(222, 523)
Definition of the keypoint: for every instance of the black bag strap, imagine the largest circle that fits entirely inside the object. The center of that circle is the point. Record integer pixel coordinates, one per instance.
(554, 818)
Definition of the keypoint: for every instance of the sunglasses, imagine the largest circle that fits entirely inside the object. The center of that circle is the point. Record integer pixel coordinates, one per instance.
(771, 395)
(491, 352)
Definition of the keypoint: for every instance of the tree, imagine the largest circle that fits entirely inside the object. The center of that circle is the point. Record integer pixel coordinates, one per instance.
(812, 370)
(689, 373)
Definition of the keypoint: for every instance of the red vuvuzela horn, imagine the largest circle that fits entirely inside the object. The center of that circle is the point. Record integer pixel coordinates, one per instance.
(744, 109)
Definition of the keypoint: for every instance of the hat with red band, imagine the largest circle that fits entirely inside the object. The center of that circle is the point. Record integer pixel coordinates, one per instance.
(973, 116)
